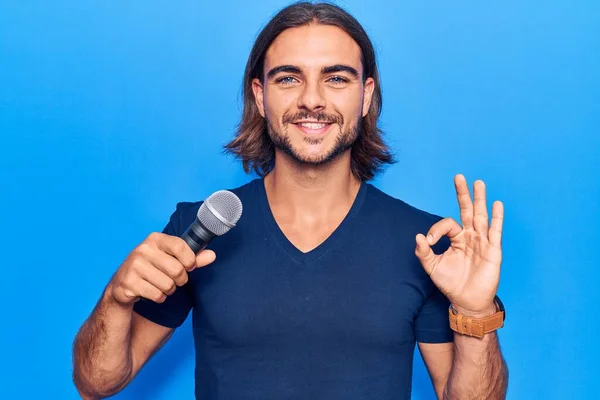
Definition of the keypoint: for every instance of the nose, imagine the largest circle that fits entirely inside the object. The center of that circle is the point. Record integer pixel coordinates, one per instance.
(312, 98)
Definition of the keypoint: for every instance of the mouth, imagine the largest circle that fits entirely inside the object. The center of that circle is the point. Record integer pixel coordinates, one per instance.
(312, 127)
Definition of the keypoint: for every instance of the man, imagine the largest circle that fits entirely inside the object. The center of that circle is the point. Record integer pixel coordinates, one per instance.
(326, 283)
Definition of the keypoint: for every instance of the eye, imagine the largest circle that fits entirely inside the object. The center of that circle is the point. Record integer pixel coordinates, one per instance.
(286, 80)
(338, 80)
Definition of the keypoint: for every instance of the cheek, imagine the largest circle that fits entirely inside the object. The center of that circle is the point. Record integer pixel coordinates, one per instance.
(277, 103)
(350, 105)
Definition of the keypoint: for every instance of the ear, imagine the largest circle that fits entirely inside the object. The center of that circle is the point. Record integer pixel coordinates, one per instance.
(257, 89)
(368, 95)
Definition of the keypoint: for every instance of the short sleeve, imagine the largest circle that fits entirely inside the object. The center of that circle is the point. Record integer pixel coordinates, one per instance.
(431, 323)
(175, 309)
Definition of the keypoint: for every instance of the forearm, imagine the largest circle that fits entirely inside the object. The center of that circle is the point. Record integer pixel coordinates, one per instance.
(478, 371)
(102, 357)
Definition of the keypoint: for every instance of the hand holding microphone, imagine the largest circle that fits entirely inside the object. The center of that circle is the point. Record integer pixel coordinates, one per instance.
(161, 263)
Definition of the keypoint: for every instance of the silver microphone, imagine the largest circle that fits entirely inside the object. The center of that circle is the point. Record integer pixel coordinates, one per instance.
(216, 216)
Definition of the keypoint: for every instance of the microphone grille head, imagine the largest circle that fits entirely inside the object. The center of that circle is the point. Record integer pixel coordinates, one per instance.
(220, 212)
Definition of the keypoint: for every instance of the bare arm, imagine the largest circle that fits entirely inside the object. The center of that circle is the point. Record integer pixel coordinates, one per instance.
(115, 342)
(478, 371)
(111, 347)
(468, 274)
(438, 359)
(469, 368)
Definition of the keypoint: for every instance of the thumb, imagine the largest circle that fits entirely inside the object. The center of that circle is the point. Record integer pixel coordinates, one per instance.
(205, 257)
(425, 254)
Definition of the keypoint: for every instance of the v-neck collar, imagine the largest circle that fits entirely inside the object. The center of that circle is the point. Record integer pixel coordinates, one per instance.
(323, 247)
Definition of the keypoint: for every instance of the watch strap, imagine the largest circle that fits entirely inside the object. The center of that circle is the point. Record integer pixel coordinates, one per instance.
(475, 327)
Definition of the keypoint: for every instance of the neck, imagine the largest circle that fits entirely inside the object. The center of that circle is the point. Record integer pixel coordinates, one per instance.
(297, 189)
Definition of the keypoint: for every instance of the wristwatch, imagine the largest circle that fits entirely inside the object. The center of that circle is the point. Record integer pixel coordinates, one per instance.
(477, 327)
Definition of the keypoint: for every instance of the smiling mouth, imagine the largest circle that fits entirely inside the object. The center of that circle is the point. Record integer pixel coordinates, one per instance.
(313, 128)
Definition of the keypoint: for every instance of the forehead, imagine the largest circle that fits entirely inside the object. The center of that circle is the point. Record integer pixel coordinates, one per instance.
(313, 46)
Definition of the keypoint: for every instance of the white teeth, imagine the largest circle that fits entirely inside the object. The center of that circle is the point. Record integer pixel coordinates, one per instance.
(312, 125)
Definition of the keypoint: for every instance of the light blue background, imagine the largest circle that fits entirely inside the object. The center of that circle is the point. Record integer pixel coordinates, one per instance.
(111, 112)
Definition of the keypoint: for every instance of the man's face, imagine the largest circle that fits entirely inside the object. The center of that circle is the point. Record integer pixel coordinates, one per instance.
(313, 96)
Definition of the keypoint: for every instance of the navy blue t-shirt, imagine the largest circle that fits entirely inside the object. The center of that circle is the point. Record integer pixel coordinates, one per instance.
(338, 322)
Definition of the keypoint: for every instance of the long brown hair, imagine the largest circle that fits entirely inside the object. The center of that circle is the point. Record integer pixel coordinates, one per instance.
(252, 143)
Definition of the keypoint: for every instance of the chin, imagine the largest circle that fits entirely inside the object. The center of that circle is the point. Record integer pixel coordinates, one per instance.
(316, 157)
(310, 150)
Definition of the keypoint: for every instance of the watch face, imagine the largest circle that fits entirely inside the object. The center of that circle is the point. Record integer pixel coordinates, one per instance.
(500, 306)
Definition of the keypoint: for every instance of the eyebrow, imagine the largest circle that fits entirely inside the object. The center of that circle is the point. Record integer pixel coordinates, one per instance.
(283, 68)
(325, 70)
(340, 68)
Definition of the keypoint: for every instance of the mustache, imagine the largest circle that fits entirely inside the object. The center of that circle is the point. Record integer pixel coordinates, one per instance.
(318, 116)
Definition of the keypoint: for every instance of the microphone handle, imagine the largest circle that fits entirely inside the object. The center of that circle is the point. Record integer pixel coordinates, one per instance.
(197, 236)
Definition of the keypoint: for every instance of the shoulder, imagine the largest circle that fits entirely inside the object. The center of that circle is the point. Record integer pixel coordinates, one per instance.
(397, 218)
(387, 207)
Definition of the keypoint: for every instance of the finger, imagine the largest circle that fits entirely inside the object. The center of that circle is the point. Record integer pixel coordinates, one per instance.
(464, 201)
(150, 292)
(447, 227)
(495, 233)
(165, 263)
(158, 279)
(425, 254)
(205, 257)
(480, 214)
(171, 267)
(178, 248)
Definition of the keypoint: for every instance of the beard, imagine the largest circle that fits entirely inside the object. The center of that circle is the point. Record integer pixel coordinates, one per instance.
(343, 142)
